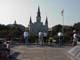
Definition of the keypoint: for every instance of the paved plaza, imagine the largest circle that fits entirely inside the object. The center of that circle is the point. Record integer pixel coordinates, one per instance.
(41, 53)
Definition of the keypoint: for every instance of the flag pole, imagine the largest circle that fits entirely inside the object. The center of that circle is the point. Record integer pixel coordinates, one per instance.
(62, 14)
(63, 23)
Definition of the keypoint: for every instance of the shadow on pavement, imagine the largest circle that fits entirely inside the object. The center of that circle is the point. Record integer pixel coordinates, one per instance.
(14, 56)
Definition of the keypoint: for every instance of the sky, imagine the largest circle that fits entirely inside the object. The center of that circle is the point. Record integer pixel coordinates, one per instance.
(21, 10)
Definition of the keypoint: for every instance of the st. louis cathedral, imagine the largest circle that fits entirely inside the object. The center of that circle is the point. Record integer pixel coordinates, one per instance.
(38, 26)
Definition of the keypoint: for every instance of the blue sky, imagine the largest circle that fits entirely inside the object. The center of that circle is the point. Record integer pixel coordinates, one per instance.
(21, 10)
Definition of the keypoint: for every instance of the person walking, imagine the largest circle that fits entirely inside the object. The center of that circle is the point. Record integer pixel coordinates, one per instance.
(7, 46)
(75, 39)
(26, 35)
(40, 35)
(45, 37)
(61, 41)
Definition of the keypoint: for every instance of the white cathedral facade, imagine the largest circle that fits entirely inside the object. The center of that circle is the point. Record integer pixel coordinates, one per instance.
(36, 27)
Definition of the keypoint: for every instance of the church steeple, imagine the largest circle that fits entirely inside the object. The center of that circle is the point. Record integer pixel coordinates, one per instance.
(46, 22)
(38, 13)
(38, 18)
(46, 25)
(15, 22)
(30, 20)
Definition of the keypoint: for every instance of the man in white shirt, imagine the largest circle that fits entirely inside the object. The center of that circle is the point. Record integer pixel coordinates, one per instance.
(40, 35)
(26, 34)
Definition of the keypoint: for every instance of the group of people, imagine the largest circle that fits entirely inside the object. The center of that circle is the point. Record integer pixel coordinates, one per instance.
(75, 38)
(42, 37)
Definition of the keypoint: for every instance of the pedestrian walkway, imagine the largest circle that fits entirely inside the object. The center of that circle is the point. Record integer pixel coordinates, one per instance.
(74, 53)
(41, 53)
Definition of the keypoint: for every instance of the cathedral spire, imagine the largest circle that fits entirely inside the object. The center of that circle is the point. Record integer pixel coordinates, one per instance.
(15, 22)
(46, 22)
(46, 25)
(38, 18)
(30, 20)
(38, 13)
